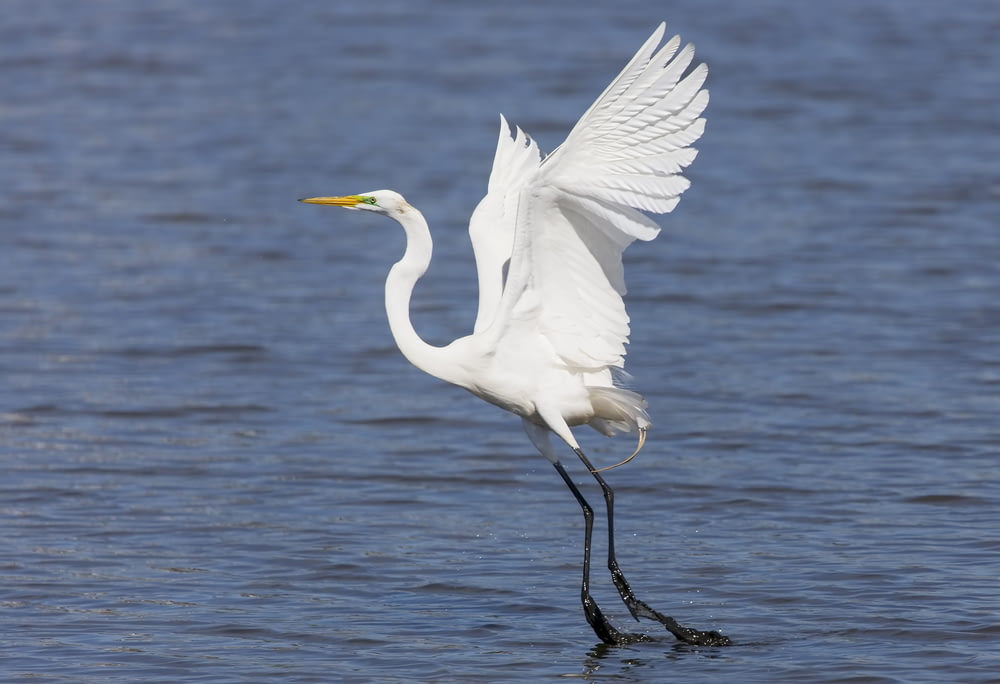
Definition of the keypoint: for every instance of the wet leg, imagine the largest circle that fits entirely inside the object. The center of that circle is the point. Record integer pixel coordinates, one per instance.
(605, 632)
(637, 608)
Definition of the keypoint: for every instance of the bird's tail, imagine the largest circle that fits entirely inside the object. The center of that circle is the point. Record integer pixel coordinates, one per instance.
(618, 410)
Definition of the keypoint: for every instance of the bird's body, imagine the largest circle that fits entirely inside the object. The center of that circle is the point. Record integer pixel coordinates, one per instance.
(549, 338)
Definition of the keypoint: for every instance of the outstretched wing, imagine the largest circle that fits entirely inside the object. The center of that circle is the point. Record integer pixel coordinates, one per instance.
(568, 219)
(491, 227)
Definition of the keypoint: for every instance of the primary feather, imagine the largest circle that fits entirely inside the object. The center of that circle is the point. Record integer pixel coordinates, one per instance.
(550, 232)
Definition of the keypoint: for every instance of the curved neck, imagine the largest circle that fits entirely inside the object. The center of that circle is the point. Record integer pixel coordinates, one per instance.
(403, 276)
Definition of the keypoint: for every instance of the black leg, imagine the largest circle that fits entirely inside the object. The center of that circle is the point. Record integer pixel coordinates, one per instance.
(636, 607)
(605, 632)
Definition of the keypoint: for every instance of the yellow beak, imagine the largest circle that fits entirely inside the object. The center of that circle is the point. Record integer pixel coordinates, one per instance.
(346, 201)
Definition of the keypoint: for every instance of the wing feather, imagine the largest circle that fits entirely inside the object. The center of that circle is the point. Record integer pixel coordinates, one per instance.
(559, 225)
(491, 228)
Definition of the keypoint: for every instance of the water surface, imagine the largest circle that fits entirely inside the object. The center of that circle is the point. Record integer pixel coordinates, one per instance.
(218, 468)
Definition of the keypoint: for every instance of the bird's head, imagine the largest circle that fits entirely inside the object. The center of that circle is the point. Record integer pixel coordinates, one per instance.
(384, 202)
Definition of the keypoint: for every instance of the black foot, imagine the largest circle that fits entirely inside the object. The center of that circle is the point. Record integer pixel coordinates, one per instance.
(602, 628)
(696, 637)
(641, 609)
(613, 637)
(688, 635)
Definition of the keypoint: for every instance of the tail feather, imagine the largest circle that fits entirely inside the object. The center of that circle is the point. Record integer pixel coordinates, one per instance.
(618, 410)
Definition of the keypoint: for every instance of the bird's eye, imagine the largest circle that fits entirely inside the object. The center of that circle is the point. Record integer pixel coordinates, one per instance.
(369, 200)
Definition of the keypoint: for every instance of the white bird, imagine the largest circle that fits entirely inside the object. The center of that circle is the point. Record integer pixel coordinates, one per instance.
(549, 338)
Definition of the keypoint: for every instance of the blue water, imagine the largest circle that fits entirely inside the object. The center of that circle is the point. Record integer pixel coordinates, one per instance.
(217, 468)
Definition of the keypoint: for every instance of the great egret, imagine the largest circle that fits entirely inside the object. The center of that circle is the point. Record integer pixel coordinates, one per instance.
(550, 333)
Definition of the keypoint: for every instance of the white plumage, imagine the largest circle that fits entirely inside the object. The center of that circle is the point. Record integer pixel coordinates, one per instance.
(560, 224)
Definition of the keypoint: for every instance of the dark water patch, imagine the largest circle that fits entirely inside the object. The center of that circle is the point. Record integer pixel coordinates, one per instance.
(951, 500)
(219, 412)
(237, 349)
(383, 421)
(185, 217)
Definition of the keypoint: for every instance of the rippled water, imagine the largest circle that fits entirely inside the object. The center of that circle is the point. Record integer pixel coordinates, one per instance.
(216, 467)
